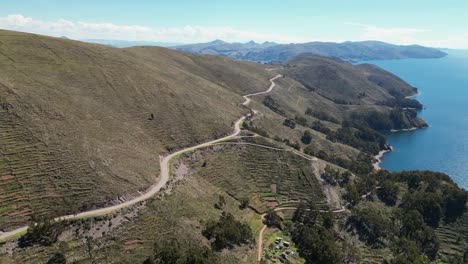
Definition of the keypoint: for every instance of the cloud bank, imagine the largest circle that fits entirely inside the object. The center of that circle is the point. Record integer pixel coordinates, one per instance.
(195, 33)
(90, 30)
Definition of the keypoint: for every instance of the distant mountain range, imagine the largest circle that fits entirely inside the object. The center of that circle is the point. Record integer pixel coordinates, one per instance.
(349, 51)
(127, 43)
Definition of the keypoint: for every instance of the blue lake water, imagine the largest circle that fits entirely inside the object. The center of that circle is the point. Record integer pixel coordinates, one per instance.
(443, 84)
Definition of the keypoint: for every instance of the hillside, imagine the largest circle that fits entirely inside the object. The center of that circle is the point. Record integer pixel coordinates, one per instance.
(349, 51)
(85, 126)
(350, 88)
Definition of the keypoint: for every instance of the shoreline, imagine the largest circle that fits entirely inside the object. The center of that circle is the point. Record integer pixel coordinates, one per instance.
(405, 129)
(414, 95)
(378, 158)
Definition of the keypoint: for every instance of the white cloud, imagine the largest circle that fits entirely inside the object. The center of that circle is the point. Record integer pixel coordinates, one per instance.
(89, 30)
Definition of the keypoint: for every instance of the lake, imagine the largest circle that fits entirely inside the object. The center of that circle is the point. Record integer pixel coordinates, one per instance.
(443, 84)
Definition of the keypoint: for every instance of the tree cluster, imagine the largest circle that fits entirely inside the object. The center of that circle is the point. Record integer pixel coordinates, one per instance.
(273, 105)
(334, 177)
(402, 102)
(409, 227)
(44, 233)
(314, 236)
(227, 232)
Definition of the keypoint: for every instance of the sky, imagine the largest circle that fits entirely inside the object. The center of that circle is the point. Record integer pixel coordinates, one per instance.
(433, 23)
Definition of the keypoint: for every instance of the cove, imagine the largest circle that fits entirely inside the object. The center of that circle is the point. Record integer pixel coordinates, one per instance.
(443, 87)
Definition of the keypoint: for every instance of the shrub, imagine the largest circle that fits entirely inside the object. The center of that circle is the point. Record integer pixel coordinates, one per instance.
(272, 219)
(301, 120)
(306, 137)
(289, 123)
(44, 233)
(221, 202)
(244, 202)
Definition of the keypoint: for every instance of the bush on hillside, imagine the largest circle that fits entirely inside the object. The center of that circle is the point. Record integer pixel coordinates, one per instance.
(272, 219)
(44, 233)
(289, 123)
(320, 127)
(306, 137)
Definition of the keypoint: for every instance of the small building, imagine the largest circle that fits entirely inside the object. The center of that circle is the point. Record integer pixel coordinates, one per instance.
(286, 244)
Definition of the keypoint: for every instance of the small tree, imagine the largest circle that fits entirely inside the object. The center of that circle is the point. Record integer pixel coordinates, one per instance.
(352, 195)
(272, 219)
(306, 137)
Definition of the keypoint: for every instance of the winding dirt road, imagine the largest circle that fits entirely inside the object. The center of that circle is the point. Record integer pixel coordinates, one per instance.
(163, 179)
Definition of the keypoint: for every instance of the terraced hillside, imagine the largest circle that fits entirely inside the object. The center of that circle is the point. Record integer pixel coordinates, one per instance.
(454, 239)
(85, 123)
(268, 177)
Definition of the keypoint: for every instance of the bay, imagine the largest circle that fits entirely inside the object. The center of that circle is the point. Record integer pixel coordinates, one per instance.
(443, 84)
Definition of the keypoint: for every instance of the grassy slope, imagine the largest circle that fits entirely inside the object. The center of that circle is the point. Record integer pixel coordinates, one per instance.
(335, 80)
(77, 129)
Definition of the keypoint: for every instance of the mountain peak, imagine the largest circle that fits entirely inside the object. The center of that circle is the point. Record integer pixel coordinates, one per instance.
(218, 41)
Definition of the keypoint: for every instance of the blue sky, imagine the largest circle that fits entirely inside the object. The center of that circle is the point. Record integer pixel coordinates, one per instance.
(430, 22)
